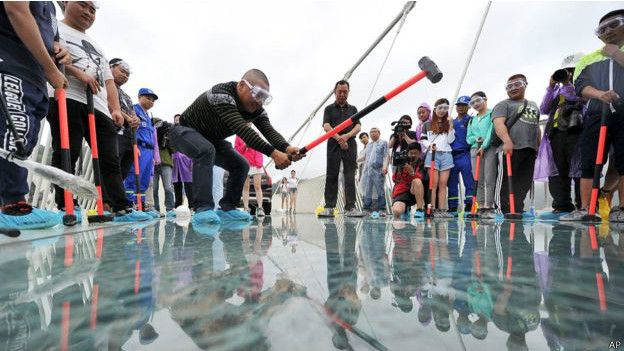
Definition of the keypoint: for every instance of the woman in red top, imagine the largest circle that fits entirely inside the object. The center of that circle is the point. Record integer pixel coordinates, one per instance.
(408, 187)
(254, 158)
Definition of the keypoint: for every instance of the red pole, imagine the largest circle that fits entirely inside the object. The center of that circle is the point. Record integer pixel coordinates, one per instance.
(382, 100)
(69, 219)
(137, 172)
(431, 175)
(96, 161)
(602, 138)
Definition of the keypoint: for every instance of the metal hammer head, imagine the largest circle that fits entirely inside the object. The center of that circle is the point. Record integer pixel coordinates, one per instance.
(433, 72)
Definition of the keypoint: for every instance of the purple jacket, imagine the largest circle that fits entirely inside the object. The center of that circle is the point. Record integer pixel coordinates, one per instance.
(182, 168)
(567, 91)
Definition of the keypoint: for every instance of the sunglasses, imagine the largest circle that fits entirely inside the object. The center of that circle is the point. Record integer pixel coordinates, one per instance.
(259, 94)
(477, 100)
(442, 108)
(609, 25)
(516, 84)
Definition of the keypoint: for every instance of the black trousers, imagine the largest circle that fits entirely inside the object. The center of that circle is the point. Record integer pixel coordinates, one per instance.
(188, 189)
(334, 158)
(205, 155)
(126, 154)
(522, 165)
(113, 191)
(563, 145)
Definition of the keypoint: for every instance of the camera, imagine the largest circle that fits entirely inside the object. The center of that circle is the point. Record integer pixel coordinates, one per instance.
(561, 75)
(400, 126)
(399, 158)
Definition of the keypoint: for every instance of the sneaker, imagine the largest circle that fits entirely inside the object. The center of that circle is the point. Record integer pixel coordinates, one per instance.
(259, 212)
(616, 215)
(354, 213)
(574, 216)
(327, 212)
(131, 216)
(205, 218)
(420, 214)
(487, 213)
(234, 215)
(382, 214)
(77, 213)
(21, 215)
(440, 213)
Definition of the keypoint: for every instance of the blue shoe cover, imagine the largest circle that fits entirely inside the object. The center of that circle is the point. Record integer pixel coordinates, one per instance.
(234, 215)
(207, 229)
(205, 217)
(528, 215)
(235, 226)
(374, 215)
(134, 216)
(37, 219)
(419, 214)
(153, 213)
(171, 214)
(548, 216)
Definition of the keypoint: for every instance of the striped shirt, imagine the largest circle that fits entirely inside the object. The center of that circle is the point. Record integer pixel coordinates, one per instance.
(218, 114)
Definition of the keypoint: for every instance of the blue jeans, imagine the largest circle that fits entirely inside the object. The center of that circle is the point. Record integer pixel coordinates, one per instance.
(163, 172)
(374, 182)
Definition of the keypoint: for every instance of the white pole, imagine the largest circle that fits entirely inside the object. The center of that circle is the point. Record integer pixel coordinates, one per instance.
(459, 85)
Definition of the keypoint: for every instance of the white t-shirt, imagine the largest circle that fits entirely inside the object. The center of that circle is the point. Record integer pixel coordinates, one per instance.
(442, 141)
(292, 183)
(89, 57)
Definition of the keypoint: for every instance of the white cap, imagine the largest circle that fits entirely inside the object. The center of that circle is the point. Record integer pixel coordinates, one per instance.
(572, 59)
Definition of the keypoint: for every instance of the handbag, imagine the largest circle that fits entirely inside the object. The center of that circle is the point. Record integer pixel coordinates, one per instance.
(495, 140)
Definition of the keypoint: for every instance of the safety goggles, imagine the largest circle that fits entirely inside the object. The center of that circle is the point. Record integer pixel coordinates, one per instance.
(477, 100)
(442, 108)
(609, 25)
(124, 66)
(516, 84)
(259, 94)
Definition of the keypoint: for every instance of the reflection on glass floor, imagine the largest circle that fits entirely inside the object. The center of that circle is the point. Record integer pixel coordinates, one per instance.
(300, 283)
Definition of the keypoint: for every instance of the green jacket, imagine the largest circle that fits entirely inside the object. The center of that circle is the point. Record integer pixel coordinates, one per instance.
(480, 127)
(165, 157)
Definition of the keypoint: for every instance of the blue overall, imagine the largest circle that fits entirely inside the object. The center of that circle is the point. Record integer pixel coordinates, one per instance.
(145, 142)
(461, 160)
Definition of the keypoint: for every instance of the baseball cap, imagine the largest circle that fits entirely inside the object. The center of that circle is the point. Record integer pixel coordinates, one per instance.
(147, 91)
(463, 100)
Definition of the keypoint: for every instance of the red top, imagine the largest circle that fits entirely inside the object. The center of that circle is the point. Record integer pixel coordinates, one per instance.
(403, 180)
(253, 157)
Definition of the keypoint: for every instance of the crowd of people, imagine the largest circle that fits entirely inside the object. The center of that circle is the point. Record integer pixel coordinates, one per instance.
(136, 150)
(426, 160)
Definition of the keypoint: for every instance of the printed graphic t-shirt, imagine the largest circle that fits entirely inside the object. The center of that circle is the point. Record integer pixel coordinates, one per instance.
(524, 133)
(88, 57)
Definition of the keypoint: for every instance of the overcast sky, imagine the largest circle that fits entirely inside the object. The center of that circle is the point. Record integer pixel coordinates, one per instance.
(180, 49)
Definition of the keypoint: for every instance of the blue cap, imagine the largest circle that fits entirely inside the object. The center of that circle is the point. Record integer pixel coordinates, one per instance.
(147, 91)
(463, 100)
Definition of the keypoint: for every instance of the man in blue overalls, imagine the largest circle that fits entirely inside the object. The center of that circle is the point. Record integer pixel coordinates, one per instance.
(461, 157)
(146, 136)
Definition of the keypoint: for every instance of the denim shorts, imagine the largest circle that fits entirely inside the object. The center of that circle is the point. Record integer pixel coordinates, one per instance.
(443, 160)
